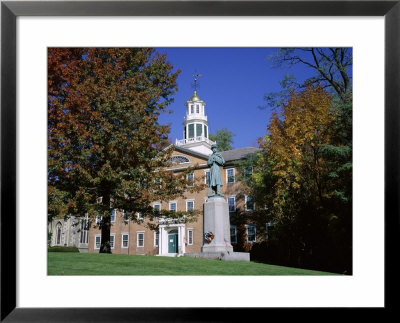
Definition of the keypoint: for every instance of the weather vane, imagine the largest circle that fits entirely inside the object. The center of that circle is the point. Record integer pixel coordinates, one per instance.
(196, 77)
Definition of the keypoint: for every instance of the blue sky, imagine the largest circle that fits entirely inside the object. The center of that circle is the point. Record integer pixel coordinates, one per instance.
(233, 84)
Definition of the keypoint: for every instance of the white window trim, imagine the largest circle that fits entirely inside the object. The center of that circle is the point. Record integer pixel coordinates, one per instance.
(97, 235)
(114, 211)
(172, 202)
(122, 240)
(255, 232)
(139, 216)
(245, 204)
(98, 219)
(125, 216)
(187, 178)
(188, 240)
(186, 162)
(234, 175)
(189, 200)
(112, 235)
(137, 239)
(155, 239)
(157, 203)
(235, 227)
(234, 199)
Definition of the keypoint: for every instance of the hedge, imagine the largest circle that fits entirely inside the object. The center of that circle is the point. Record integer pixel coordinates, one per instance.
(63, 249)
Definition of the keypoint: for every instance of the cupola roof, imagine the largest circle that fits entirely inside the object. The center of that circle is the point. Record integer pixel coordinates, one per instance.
(194, 97)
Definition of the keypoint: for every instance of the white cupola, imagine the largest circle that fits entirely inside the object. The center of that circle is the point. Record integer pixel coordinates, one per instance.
(195, 127)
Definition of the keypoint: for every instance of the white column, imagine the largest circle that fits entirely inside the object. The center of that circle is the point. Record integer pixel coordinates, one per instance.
(160, 242)
(181, 243)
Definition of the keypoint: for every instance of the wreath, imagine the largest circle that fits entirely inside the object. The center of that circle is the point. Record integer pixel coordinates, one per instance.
(208, 236)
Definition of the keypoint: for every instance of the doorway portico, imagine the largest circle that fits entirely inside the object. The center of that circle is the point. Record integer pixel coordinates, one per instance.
(172, 240)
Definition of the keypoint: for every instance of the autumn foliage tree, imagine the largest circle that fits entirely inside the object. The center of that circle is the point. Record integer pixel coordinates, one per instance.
(297, 180)
(302, 178)
(106, 149)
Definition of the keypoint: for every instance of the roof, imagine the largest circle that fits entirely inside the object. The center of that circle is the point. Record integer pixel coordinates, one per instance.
(229, 155)
(240, 153)
(191, 152)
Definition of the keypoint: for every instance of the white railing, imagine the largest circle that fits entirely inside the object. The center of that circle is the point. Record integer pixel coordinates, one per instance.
(193, 140)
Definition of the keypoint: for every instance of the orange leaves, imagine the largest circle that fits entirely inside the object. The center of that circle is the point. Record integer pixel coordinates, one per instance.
(295, 138)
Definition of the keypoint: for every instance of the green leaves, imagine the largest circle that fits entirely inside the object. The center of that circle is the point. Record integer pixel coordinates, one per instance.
(223, 138)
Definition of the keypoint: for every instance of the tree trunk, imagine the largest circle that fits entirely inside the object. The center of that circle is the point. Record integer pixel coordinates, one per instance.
(106, 226)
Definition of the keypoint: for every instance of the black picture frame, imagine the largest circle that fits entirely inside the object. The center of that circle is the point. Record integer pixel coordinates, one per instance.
(10, 10)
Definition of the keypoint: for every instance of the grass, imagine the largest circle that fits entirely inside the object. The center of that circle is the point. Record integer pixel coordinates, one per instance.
(65, 263)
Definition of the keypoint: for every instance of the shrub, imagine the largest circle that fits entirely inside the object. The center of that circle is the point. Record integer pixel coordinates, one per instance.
(62, 249)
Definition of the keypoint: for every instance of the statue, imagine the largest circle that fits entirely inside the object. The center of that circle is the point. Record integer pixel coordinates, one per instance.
(214, 162)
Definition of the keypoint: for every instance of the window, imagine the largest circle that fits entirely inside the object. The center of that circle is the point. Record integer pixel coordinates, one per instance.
(172, 206)
(177, 160)
(205, 131)
(125, 216)
(232, 203)
(269, 230)
(197, 108)
(156, 239)
(58, 240)
(190, 236)
(158, 182)
(113, 215)
(199, 128)
(140, 239)
(97, 241)
(233, 234)
(251, 233)
(125, 240)
(207, 177)
(84, 231)
(191, 130)
(190, 179)
(157, 207)
(192, 108)
(189, 205)
(230, 175)
(249, 203)
(112, 241)
(140, 216)
(248, 171)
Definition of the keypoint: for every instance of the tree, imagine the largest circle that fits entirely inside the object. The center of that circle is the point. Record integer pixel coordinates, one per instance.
(106, 149)
(223, 138)
(304, 172)
(331, 66)
(298, 180)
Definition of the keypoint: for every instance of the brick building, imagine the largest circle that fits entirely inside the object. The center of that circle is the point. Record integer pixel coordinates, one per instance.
(173, 238)
(134, 237)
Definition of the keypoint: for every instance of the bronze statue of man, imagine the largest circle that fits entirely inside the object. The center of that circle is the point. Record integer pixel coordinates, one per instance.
(214, 162)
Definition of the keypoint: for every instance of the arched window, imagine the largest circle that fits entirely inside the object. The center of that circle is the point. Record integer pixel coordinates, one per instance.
(58, 233)
(179, 159)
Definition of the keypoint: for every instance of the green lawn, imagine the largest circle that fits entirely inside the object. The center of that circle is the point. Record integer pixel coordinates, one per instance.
(65, 263)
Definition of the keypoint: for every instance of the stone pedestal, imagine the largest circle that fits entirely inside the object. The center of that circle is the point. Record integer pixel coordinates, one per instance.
(216, 220)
